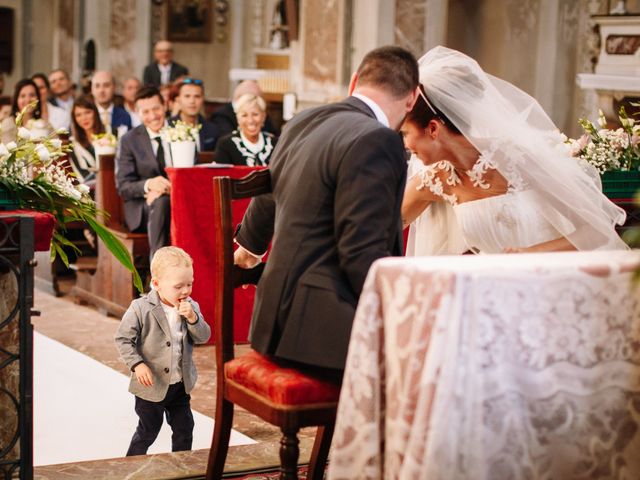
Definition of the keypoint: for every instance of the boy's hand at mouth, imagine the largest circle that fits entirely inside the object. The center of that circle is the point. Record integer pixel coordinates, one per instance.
(186, 310)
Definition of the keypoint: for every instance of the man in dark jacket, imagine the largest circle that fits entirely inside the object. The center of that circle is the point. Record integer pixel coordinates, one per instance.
(338, 175)
(190, 98)
(164, 70)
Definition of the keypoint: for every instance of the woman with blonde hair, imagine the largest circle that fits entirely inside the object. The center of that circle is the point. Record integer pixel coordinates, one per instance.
(248, 145)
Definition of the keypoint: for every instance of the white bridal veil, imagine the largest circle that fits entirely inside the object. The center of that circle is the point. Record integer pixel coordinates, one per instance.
(518, 139)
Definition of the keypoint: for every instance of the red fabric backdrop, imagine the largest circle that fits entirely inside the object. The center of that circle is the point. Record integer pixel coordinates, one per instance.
(43, 226)
(192, 229)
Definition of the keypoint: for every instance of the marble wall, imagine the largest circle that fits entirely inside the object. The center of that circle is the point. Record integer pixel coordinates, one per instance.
(538, 45)
(322, 65)
(122, 39)
(409, 27)
(10, 374)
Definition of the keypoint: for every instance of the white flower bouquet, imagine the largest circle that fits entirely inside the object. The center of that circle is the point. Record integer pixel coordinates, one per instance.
(104, 143)
(33, 175)
(38, 128)
(104, 139)
(609, 150)
(181, 132)
(182, 138)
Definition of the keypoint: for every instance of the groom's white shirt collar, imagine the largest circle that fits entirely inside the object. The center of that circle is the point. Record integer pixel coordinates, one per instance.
(377, 111)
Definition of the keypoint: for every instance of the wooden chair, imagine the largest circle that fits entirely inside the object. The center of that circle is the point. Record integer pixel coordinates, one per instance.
(284, 397)
(103, 281)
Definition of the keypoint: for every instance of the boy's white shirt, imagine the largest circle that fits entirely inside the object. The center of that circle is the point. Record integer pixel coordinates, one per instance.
(175, 325)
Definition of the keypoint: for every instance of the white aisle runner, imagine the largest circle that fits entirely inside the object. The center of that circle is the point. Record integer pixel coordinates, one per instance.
(83, 410)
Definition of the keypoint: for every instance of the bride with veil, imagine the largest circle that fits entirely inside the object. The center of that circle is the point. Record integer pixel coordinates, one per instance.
(496, 175)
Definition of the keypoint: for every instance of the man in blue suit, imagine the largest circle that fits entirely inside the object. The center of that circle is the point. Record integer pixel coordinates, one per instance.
(115, 119)
(141, 179)
(191, 98)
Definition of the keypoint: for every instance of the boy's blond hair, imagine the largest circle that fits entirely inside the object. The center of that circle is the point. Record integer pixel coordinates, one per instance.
(169, 257)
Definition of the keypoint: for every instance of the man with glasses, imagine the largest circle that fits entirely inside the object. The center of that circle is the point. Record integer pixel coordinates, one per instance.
(164, 70)
(191, 98)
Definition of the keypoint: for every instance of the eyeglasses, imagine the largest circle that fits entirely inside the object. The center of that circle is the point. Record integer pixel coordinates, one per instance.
(194, 81)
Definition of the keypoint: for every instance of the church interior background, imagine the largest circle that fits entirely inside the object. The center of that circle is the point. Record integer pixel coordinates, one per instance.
(539, 45)
(302, 52)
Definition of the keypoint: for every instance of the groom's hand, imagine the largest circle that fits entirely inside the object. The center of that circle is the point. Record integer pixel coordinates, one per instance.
(244, 258)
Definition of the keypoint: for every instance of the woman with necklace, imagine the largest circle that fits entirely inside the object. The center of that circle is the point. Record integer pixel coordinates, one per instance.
(248, 145)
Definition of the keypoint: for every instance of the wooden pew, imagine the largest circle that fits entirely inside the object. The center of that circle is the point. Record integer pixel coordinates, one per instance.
(204, 157)
(104, 282)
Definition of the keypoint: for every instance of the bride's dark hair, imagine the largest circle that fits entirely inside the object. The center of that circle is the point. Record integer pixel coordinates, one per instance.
(423, 112)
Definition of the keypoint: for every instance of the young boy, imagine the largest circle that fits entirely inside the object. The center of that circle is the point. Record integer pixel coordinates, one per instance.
(155, 340)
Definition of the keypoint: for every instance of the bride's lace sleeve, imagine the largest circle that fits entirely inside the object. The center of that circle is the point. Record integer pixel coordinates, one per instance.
(438, 179)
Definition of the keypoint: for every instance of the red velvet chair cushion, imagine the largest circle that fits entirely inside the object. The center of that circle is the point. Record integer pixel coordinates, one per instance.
(281, 385)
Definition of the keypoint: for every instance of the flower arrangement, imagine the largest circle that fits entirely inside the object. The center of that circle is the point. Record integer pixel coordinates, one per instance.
(29, 171)
(609, 150)
(181, 132)
(104, 140)
(38, 128)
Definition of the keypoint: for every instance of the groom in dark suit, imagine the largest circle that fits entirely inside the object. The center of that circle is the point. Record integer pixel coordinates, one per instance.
(141, 179)
(338, 176)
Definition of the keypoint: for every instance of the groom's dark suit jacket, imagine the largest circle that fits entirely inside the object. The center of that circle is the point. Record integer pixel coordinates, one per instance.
(135, 163)
(338, 177)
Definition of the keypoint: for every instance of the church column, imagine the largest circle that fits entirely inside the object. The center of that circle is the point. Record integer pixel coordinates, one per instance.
(437, 19)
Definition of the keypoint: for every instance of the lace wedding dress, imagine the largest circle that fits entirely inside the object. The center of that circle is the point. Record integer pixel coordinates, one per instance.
(487, 225)
(435, 231)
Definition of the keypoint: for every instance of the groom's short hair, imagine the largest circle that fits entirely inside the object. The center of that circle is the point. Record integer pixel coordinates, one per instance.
(391, 68)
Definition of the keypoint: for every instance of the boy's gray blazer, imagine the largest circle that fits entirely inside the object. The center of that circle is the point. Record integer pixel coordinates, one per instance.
(144, 336)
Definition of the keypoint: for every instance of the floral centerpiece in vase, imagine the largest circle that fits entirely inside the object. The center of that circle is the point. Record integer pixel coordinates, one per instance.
(614, 153)
(104, 144)
(32, 176)
(182, 138)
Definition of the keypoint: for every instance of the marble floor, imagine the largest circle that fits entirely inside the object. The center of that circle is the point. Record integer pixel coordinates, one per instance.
(84, 329)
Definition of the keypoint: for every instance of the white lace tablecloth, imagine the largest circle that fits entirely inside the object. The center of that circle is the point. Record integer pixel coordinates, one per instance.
(493, 367)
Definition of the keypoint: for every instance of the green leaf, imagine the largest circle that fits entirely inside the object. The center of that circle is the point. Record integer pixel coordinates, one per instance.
(60, 252)
(117, 249)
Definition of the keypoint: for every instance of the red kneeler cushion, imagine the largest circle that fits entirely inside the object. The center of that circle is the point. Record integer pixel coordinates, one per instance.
(281, 385)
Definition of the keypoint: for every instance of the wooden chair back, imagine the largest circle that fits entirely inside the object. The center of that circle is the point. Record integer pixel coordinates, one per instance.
(313, 410)
(225, 190)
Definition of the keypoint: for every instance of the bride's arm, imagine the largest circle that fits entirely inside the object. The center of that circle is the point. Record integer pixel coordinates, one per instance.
(561, 244)
(416, 199)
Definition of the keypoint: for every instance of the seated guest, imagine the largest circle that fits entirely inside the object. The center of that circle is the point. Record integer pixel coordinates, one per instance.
(141, 179)
(247, 145)
(224, 118)
(85, 124)
(115, 119)
(61, 89)
(164, 70)
(190, 99)
(129, 89)
(24, 93)
(56, 116)
(5, 107)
